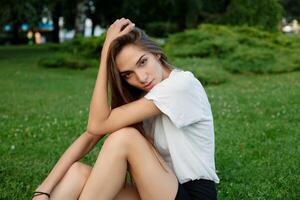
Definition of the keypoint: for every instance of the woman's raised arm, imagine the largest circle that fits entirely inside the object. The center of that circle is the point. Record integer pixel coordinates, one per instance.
(81, 146)
(99, 107)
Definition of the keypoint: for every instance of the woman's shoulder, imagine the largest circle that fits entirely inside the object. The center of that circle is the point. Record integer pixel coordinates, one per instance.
(178, 80)
(182, 73)
(183, 77)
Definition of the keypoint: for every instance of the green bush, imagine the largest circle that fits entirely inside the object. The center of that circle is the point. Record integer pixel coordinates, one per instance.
(251, 59)
(67, 61)
(89, 47)
(206, 71)
(207, 48)
(238, 49)
(79, 53)
(268, 39)
(201, 44)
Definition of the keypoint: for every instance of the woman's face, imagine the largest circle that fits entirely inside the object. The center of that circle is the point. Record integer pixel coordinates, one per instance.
(140, 68)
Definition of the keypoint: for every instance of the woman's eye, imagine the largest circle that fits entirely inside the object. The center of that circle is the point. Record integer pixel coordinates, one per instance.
(126, 76)
(143, 61)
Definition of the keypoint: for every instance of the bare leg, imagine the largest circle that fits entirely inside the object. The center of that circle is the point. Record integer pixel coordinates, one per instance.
(71, 185)
(108, 175)
(109, 172)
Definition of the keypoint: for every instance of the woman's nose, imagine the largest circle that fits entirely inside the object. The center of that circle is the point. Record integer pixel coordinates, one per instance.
(142, 76)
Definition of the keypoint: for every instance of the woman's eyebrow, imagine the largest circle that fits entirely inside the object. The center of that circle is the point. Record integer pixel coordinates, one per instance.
(139, 60)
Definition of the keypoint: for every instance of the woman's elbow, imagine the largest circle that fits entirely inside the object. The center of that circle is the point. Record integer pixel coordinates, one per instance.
(95, 129)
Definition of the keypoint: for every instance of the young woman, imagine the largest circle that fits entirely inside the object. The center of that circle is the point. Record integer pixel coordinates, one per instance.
(160, 130)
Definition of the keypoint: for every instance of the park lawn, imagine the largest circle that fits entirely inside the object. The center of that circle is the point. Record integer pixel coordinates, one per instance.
(42, 110)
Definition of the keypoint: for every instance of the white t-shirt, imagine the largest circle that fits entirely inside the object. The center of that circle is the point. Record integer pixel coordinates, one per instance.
(184, 132)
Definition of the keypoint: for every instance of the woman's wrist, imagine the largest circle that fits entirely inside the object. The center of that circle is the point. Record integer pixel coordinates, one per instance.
(104, 49)
(40, 193)
(41, 188)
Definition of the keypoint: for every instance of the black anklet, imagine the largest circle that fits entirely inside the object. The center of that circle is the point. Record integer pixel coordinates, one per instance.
(37, 193)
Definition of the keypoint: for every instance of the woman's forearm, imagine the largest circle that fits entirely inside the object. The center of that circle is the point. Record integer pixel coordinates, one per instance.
(99, 106)
(81, 146)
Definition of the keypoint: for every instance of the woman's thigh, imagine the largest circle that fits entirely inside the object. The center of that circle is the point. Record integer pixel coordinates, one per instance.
(129, 192)
(150, 178)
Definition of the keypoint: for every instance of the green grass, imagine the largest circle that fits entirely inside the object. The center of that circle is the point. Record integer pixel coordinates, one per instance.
(43, 110)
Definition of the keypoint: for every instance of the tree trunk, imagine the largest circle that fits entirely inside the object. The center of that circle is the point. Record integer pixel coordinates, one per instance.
(80, 17)
(55, 33)
(15, 33)
(57, 12)
(94, 21)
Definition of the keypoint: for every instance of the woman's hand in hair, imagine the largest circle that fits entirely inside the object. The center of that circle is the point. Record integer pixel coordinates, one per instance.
(118, 28)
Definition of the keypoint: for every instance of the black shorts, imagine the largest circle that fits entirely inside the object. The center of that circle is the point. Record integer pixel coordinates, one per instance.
(197, 190)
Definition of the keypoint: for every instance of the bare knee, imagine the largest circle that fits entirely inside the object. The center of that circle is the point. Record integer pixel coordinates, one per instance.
(123, 136)
(80, 170)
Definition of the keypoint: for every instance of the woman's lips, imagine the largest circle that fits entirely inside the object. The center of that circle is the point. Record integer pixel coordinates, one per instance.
(148, 85)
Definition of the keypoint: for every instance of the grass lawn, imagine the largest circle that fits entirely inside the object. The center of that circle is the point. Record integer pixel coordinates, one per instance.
(42, 110)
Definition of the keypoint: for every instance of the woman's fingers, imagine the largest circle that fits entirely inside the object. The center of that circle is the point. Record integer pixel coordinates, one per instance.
(119, 28)
(128, 28)
(127, 25)
(123, 23)
(119, 23)
(117, 20)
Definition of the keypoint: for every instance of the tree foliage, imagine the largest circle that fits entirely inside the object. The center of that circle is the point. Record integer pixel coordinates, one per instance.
(291, 9)
(177, 14)
(265, 14)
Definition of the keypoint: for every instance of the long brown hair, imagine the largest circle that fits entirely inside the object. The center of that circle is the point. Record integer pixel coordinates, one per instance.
(122, 92)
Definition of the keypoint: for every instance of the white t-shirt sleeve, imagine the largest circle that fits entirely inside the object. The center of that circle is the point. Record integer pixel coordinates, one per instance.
(182, 98)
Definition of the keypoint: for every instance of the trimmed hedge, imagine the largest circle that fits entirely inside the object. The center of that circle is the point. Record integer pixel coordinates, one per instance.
(79, 53)
(238, 49)
(205, 70)
(67, 61)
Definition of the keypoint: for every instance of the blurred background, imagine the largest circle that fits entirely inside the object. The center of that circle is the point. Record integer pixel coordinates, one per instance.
(43, 21)
(244, 52)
